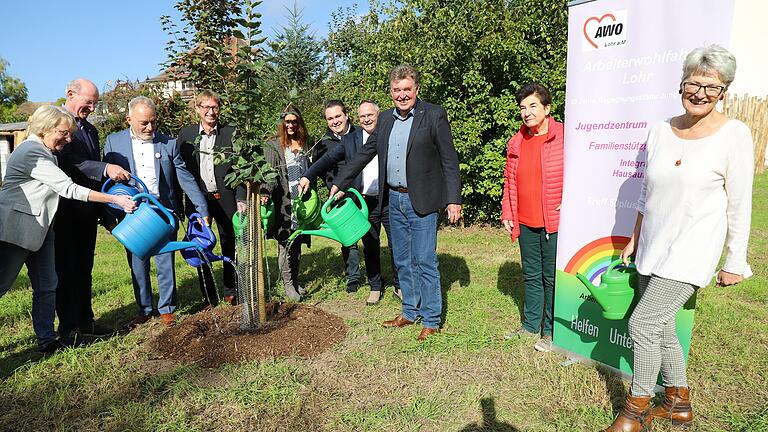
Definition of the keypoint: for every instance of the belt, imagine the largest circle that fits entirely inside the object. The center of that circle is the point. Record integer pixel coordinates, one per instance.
(213, 195)
(398, 189)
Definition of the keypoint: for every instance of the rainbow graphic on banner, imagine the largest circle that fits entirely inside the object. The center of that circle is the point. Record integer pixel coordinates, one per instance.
(594, 258)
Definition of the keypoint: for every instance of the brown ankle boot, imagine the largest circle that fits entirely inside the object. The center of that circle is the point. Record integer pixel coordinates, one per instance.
(676, 407)
(633, 417)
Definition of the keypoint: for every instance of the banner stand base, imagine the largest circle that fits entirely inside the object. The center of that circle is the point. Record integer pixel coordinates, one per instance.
(573, 358)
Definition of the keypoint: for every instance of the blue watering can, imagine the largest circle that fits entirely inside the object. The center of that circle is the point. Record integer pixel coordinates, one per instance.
(145, 232)
(123, 188)
(200, 233)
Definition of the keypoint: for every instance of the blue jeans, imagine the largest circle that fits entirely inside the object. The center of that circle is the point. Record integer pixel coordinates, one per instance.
(41, 268)
(414, 243)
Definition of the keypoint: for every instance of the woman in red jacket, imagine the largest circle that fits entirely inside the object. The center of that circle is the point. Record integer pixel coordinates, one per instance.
(533, 189)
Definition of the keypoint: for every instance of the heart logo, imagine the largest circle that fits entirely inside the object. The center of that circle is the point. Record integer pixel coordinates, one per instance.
(597, 20)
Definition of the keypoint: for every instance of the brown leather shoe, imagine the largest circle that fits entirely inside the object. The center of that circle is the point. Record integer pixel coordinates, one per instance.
(634, 417)
(426, 332)
(137, 321)
(168, 319)
(398, 322)
(232, 300)
(676, 407)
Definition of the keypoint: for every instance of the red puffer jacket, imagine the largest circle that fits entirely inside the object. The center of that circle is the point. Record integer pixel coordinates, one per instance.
(552, 178)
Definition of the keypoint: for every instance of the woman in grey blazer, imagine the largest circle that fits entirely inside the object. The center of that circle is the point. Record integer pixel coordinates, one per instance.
(29, 197)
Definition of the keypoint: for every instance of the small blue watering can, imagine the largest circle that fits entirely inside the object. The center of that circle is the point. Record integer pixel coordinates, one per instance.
(145, 232)
(119, 188)
(200, 233)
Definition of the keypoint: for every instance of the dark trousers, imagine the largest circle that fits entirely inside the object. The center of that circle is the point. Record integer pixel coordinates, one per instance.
(372, 243)
(537, 252)
(225, 238)
(74, 245)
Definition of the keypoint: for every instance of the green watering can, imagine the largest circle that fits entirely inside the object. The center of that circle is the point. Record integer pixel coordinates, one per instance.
(306, 207)
(343, 220)
(616, 291)
(240, 220)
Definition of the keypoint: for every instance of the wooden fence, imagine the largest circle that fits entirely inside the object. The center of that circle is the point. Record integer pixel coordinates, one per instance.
(754, 112)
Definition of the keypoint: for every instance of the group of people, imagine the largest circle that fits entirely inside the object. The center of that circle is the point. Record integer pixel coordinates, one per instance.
(696, 197)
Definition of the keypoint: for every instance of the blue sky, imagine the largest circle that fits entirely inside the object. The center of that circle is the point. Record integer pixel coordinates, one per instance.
(49, 42)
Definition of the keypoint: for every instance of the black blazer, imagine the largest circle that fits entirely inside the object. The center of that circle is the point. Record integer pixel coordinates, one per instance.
(432, 166)
(327, 144)
(187, 137)
(351, 143)
(82, 163)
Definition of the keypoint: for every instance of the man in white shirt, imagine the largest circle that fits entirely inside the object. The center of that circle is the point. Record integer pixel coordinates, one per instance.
(156, 160)
(368, 185)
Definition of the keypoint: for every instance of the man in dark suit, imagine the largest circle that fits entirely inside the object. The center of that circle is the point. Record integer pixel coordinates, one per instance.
(339, 126)
(155, 159)
(419, 176)
(76, 221)
(208, 136)
(367, 182)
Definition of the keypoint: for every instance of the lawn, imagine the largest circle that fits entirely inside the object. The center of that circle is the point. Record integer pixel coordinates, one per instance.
(468, 378)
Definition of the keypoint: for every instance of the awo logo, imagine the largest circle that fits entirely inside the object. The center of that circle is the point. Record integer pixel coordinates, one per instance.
(605, 31)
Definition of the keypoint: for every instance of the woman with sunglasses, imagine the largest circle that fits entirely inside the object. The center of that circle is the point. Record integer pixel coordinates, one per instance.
(289, 155)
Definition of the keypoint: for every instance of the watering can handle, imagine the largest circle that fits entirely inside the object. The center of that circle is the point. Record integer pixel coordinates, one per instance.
(171, 218)
(615, 264)
(329, 201)
(107, 184)
(196, 218)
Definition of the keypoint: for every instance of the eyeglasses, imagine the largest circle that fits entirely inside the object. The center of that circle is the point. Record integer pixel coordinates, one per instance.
(709, 90)
(63, 133)
(206, 108)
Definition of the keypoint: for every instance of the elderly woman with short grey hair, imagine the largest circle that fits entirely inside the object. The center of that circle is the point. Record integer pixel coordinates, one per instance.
(696, 197)
(29, 198)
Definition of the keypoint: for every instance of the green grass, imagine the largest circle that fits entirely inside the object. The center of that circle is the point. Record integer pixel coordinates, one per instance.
(468, 378)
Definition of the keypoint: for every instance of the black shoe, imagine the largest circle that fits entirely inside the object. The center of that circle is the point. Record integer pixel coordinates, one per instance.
(397, 293)
(353, 287)
(96, 330)
(52, 347)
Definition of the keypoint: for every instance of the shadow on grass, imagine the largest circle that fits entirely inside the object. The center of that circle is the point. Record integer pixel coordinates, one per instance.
(614, 387)
(510, 283)
(452, 269)
(489, 423)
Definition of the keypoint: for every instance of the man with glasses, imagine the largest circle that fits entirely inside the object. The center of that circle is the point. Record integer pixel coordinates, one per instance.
(198, 142)
(76, 221)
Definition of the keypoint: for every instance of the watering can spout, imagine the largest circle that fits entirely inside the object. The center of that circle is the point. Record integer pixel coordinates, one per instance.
(178, 245)
(594, 290)
(324, 232)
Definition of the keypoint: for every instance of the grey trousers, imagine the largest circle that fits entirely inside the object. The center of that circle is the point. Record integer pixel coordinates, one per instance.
(288, 259)
(652, 328)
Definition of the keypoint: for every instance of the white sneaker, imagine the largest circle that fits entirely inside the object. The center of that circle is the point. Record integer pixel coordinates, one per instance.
(544, 344)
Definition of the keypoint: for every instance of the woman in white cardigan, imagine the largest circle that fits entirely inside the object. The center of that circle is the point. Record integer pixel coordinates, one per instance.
(696, 197)
(29, 197)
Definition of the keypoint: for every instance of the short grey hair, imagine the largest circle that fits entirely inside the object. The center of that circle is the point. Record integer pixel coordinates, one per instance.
(711, 59)
(141, 100)
(47, 117)
(369, 101)
(402, 72)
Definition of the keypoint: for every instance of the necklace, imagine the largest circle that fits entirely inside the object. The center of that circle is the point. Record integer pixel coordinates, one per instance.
(679, 161)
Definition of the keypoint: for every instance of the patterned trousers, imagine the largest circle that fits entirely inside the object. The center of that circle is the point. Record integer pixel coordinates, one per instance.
(652, 328)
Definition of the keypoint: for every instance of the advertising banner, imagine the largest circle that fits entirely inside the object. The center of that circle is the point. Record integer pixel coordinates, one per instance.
(624, 68)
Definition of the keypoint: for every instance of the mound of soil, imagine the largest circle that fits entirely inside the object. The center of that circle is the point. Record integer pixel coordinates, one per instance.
(211, 338)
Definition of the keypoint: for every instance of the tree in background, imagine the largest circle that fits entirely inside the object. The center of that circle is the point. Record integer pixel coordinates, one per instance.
(13, 92)
(198, 50)
(473, 56)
